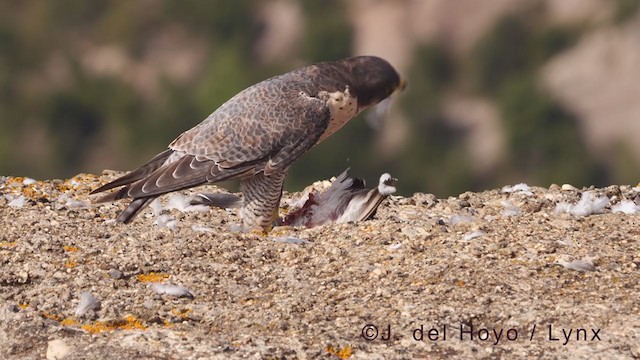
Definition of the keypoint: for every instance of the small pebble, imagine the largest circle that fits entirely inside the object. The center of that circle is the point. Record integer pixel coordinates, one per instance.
(57, 349)
(115, 273)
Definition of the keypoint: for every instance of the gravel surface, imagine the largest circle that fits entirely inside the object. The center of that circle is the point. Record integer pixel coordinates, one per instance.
(502, 273)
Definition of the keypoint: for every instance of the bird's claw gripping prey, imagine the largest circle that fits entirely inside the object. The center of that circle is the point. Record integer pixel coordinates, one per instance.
(257, 134)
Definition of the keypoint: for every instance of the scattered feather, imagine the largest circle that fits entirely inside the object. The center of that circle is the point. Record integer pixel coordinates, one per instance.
(461, 219)
(201, 228)
(237, 228)
(510, 209)
(70, 202)
(18, 202)
(588, 204)
(290, 240)
(166, 221)
(28, 181)
(172, 290)
(183, 203)
(626, 206)
(156, 207)
(577, 265)
(521, 188)
(87, 303)
(395, 246)
(474, 234)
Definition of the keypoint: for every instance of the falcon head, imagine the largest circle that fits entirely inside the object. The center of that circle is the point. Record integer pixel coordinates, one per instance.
(373, 79)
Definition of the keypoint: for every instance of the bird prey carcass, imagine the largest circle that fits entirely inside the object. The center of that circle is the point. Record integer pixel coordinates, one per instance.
(257, 134)
(345, 200)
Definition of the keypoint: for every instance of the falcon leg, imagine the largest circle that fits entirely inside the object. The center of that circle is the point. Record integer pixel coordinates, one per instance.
(261, 200)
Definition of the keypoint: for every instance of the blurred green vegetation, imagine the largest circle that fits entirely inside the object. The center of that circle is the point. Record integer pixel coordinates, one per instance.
(543, 139)
(91, 120)
(626, 9)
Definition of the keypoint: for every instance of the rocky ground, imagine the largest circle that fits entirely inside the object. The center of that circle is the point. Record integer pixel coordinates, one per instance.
(502, 273)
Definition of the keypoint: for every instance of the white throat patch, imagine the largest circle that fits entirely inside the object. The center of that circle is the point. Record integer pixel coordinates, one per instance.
(343, 107)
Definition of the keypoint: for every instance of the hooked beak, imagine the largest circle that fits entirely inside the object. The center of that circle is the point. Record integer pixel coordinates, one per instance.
(402, 86)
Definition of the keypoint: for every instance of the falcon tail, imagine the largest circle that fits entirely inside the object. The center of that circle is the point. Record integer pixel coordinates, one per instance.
(138, 204)
(140, 173)
(134, 209)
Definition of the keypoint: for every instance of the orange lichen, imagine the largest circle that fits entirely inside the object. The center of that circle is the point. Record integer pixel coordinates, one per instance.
(69, 248)
(129, 322)
(68, 322)
(459, 283)
(23, 305)
(70, 264)
(18, 180)
(31, 192)
(182, 313)
(50, 316)
(152, 277)
(7, 244)
(342, 353)
(63, 187)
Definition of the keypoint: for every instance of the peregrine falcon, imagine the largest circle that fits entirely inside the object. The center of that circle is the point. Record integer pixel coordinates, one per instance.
(257, 134)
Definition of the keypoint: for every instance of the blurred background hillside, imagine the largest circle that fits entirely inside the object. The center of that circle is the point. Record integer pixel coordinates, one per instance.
(500, 91)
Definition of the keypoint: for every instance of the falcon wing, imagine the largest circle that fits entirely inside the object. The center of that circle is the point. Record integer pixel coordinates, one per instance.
(266, 137)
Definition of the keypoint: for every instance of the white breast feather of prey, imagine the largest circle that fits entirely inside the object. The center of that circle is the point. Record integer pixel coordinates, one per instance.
(353, 210)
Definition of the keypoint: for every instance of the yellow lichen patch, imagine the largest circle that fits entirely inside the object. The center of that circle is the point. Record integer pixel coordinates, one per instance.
(23, 305)
(152, 277)
(31, 192)
(342, 353)
(50, 316)
(64, 187)
(182, 313)
(78, 181)
(69, 248)
(248, 302)
(18, 180)
(129, 322)
(68, 322)
(7, 244)
(281, 230)
(260, 232)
